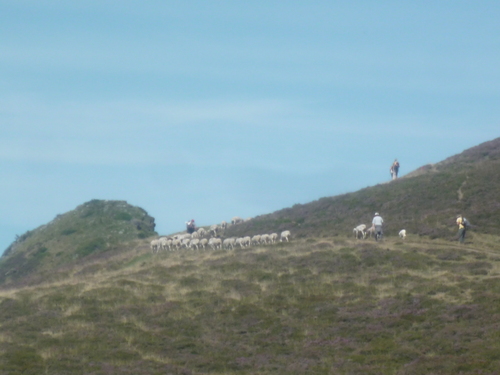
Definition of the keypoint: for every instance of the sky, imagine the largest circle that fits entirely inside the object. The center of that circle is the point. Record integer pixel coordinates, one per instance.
(207, 110)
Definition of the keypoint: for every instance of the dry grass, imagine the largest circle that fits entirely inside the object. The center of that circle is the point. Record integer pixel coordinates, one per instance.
(312, 306)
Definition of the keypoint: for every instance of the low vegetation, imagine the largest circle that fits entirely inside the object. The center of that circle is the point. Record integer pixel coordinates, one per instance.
(318, 306)
(94, 227)
(85, 295)
(425, 202)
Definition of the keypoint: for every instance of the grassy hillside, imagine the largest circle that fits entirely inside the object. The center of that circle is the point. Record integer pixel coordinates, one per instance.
(425, 202)
(84, 295)
(94, 227)
(316, 306)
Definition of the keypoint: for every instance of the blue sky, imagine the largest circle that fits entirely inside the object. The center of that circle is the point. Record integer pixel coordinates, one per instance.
(209, 110)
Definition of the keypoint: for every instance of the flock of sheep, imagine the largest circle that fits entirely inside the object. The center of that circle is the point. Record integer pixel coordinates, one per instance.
(202, 238)
(361, 231)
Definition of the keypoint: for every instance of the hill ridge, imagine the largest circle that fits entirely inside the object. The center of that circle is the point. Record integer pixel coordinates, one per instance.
(93, 227)
(425, 201)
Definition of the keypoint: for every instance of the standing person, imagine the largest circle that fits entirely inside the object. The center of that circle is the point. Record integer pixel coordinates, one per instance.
(395, 169)
(190, 226)
(462, 228)
(377, 223)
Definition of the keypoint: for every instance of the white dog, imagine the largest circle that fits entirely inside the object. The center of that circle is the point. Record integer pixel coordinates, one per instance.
(402, 234)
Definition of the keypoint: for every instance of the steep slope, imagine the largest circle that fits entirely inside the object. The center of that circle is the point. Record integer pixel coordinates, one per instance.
(424, 202)
(93, 227)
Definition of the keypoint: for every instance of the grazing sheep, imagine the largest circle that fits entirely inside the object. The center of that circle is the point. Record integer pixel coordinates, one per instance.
(203, 242)
(169, 243)
(256, 239)
(273, 237)
(213, 230)
(359, 229)
(176, 243)
(163, 243)
(166, 242)
(194, 243)
(240, 241)
(182, 236)
(229, 243)
(223, 224)
(155, 244)
(215, 243)
(264, 239)
(202, 232)
(236, 220)
(195, 235)
(247, 241)
(284, 235)
(402, 233)
(370, 232)
(185, 242)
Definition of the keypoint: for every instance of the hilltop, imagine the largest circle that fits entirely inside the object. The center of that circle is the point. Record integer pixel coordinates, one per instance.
(94, 227)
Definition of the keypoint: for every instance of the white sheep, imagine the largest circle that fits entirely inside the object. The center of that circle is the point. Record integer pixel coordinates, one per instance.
(194, 243)
(247, 241)
(168, 243)
(223, 224)
(370, 232)
(229, 243)
(359, 229)
(273, 237)
(284, 235)
(176, 243)
(185, 242)
(256, 239)
(213, 229)
(402, 233)
(202, 232)
(236, 220)
(163, 243)
(264, 239)
(155, 244)
(203, 242)
(215, 243)
(240, 241)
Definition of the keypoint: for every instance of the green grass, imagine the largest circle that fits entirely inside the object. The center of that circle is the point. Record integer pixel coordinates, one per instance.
(319, 306)
(94, 227)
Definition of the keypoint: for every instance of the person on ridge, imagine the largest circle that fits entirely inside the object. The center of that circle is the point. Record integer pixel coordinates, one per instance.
(462, 228)
(394, 169)
(377, 223)
(190, 226)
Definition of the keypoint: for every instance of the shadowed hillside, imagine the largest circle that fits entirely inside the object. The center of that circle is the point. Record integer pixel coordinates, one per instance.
(424, 202)
(94, 227)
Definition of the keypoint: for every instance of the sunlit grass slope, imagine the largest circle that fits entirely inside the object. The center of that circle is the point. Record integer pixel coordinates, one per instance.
(329, 305)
